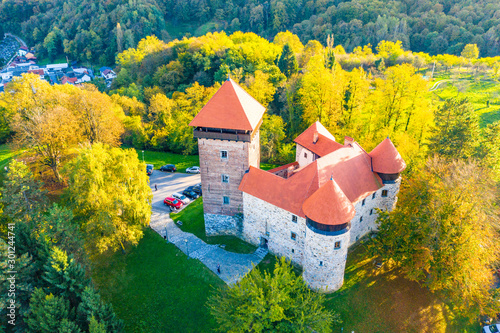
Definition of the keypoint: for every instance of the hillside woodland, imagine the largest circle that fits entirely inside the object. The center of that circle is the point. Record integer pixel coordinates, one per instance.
(95, 31)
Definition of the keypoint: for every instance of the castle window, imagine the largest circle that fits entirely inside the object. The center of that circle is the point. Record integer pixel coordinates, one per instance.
(294, 236)
(321, 263)
(337, 245)
(223, 154)
(374, 195)
(384, 193)
(361, 219)
(305, 155)
(371, 211)
(294, 218)
(363, 202)
(293, 250)
(225, 178)
(225, 200)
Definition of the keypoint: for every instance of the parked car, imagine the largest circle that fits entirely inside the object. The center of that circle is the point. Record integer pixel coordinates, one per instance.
(193, 169)
(172, 202)
(191, 194)
(195, 189)
(169, 168)
(185, 200)
(149, 169)
(491, 328)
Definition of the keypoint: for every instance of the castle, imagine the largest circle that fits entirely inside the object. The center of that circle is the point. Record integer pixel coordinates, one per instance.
(309, 211)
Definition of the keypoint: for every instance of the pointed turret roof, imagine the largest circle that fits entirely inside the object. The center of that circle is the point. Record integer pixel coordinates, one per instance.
(230, 108)
(386, 158)
(329, 205)
(318, 140)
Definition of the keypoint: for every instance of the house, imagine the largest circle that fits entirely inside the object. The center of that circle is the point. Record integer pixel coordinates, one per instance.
(23, 50)
(30, 56)
(108, 74)
(68, 80)
(309, 211)
(83, 78)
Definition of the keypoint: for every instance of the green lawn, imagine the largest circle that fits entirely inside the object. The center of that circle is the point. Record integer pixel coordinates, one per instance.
(479, 92)
(193, 222)
(154, 287)
(159, 158)
(382, 300)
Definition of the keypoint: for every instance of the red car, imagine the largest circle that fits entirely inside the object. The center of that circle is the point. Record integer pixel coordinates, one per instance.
(172, 202)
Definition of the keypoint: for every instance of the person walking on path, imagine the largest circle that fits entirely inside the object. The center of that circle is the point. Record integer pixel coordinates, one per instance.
(218, 269)
(156, 187)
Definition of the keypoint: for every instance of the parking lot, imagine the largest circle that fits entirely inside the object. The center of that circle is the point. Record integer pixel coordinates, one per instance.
(168, 183)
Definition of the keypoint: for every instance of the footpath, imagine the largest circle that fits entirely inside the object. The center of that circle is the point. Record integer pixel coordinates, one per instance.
(233, 266)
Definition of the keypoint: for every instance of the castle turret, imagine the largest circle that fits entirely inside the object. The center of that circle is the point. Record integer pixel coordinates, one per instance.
(227, 129)
(328, 214)
(388, 164)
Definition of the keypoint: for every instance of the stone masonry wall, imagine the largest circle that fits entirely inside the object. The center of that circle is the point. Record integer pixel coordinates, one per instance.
(303, 156)
(222, 225)
(366, 214)
(323, 264)
(240, 155)
(262, 219)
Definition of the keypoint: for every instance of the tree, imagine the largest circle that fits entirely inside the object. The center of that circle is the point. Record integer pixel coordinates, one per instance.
(93, 313)
(470, 52)
(109, 193)
(444, 233)
(287, 62)
(277, 302)
(456, 134)
(22, 196)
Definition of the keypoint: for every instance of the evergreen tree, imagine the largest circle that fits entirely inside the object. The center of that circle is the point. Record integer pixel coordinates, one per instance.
(456, 134)
(49, 314)
(93, 314)
(65, 277)
(287, 62)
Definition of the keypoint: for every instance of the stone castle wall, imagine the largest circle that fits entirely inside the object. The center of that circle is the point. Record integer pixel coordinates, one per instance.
(240, 155)
(263, 220)
(324, 265)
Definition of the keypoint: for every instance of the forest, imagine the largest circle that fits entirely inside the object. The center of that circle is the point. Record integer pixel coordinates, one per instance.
(95, 31)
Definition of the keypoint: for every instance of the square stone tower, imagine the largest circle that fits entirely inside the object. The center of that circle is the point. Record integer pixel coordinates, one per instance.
(227, 129)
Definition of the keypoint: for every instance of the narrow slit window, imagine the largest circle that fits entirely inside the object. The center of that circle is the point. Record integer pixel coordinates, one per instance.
(294, 218)
(374, 195)
(363, 202)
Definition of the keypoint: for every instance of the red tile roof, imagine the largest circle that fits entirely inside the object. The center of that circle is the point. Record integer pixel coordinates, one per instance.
(329, 205)
(324, 144)
(349, 166)
(230, 108)
(386, 158)
(70, 80)
(36, 71)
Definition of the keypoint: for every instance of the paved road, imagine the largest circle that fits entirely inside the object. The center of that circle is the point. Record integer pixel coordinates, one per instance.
(234, 266)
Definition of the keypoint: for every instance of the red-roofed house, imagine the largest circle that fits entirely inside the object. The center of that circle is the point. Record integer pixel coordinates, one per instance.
(68, 80)
(309, 211)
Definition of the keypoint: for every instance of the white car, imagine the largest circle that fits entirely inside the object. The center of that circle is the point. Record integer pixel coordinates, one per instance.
(185, 200)
(193, 169)
(491, 328)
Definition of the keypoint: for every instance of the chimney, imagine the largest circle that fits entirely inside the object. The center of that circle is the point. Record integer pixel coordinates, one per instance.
(348, 140)
(315, 137)
(289, 172)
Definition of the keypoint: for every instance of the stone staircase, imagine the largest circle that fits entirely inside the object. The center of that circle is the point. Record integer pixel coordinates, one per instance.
(261, 253)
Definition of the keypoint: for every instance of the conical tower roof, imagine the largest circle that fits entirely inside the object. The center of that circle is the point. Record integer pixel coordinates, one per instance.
(329, 205)
(230, 108)
(386, 158)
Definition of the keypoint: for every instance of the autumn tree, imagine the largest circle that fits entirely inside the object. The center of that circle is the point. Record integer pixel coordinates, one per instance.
(470, 52)
(277, 302)
(109, 193)
(444, 233)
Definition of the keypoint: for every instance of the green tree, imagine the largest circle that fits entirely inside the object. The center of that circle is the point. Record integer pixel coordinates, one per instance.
(264, 302)
(109, 193)
(93, 313)
(22, 196)
(287, 62)
(49, 314)
(456, 134)
(444, 233)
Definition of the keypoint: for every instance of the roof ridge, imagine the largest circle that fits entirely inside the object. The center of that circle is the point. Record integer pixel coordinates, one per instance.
(310, 184)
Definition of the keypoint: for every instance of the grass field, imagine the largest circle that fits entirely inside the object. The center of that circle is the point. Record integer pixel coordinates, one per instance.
(193, 222)
(6, 153)
(154, 287)
(159, 158)
(479, 92)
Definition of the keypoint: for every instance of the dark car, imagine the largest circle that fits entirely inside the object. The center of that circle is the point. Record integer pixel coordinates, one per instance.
(172, 202)
(191, 194)
(149, 169)
(196, 189)
(169, 168)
